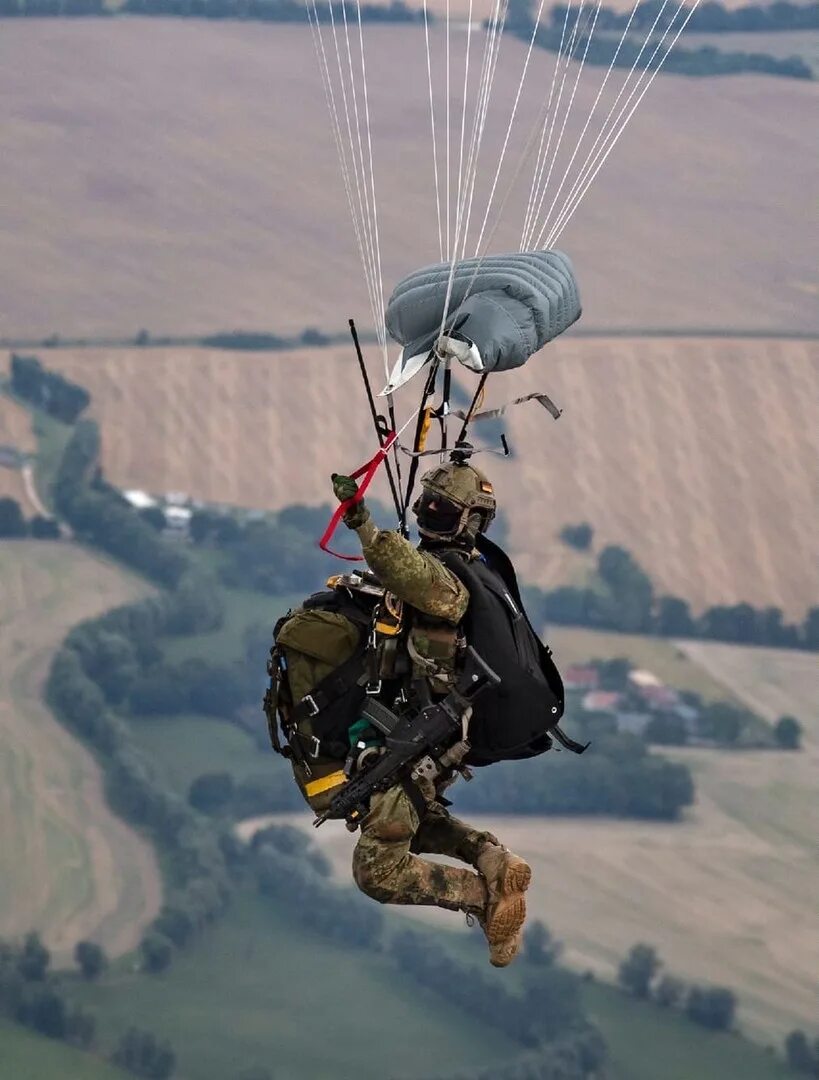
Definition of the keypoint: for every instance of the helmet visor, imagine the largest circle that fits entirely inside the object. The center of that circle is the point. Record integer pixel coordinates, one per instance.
(438, 515)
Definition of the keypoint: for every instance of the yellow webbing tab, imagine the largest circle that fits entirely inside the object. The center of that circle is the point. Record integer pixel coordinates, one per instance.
(316, 787)
(422, 436)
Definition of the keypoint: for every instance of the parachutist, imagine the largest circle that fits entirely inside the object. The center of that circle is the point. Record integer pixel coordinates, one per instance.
(376, 703)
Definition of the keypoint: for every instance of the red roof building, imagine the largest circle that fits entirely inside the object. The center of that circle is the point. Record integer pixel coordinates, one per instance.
(579, 677)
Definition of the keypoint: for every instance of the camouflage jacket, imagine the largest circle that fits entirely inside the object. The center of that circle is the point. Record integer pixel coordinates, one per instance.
(437, 599)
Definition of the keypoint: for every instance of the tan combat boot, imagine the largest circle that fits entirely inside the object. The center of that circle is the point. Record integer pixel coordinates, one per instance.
(507, 878)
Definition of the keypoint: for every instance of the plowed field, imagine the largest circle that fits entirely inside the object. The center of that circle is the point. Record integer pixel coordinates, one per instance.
(68, 867)
(700, 456)
(192, 184)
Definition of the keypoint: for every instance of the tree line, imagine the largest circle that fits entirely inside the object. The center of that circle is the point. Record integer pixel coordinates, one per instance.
(623, 598)
(617, 776)
(713, 1007)
(601, 49)
(277, 11)
(86, 682)
(545, 1017)
(710, 17)
(100, 515)
(13, 525)
(33, 995)
(47, 390)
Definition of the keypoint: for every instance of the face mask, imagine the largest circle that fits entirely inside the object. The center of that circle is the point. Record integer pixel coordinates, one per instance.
(438, 515)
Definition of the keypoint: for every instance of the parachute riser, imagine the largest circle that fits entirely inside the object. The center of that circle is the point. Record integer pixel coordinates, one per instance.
(382, 428)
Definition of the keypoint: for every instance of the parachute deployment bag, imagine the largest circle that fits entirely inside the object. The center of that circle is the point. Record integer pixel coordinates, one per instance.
(319, 674)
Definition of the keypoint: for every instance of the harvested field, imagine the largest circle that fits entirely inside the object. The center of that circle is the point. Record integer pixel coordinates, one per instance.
(728, 896)
(68, 867)
(192, 184)
(772, 682)
(700, 456)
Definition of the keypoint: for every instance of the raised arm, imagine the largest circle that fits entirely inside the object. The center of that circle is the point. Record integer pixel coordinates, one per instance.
(416, 577)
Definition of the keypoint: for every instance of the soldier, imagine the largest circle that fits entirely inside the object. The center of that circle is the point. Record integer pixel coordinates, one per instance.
(456, 505)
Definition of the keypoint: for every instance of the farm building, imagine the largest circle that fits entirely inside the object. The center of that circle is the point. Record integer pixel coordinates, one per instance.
(581, 677)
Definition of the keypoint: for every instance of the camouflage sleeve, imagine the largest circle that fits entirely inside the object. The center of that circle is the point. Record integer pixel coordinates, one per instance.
(419, 579)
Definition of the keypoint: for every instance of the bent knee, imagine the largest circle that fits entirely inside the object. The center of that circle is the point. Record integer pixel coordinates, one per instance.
(380, 879)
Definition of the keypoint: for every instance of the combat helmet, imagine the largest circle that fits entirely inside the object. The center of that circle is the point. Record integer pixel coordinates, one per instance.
(457, 490)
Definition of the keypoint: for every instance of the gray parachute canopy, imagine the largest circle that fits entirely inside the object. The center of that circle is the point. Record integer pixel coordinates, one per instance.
(506, 306)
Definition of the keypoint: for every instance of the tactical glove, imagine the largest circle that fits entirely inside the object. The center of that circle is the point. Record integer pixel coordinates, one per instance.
(345, 488)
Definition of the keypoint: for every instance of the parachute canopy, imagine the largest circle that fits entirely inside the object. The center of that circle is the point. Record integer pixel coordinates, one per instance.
(506, 306)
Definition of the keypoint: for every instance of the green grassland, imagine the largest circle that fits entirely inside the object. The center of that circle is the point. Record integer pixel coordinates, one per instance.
(647, 1042)
(52, 436)
(26, 1056)
(184, 747)
(663, 657)
(243, 609)
(259, 990)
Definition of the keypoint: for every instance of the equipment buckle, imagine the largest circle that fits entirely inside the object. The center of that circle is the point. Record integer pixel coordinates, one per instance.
(310, 702)
(315, 747)
(374, 689)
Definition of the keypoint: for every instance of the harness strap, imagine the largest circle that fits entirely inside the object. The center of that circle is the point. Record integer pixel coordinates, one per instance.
(413, 793)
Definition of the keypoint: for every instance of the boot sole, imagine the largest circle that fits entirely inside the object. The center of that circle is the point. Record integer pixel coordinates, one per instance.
(507, 919)
(510, 913)
(517, 878)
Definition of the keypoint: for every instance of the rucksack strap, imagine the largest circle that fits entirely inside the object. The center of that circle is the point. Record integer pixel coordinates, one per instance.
(565, 741)
(333, 686)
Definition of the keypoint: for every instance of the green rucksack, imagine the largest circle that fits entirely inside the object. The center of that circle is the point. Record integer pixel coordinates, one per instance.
(321, 667)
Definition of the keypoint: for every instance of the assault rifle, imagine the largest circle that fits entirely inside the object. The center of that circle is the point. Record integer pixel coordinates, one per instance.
(420, 738)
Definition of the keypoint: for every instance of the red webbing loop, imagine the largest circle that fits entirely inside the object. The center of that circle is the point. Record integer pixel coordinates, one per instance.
(367, 471)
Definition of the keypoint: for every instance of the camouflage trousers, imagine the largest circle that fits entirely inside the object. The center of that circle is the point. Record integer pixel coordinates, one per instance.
(386, 863)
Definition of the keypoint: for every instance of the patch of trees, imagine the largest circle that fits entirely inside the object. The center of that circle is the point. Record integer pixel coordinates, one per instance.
(710, 17)
(578, 537)
(262, 11)
(604, 49)
(31, 995)
(99, 515)
(142, 1054)
(616, 776)
(300, 889)
(93, 670)
(721, 723)
(91, 959)
(545, 1017)
(624, 599)
(246, 10)
(217, 794)
(47, 390)
(800, 1054)
(13, 525)
(712, 1007)
(788, 733)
